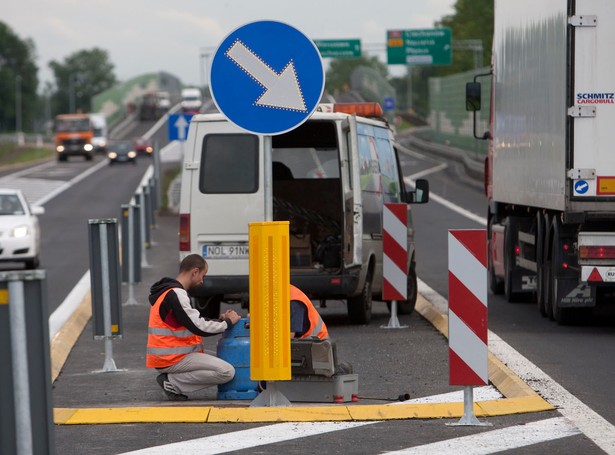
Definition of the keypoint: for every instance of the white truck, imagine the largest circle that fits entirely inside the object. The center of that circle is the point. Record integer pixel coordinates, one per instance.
(550, 170)
(330, 178)
(192, 100)
(99, 132)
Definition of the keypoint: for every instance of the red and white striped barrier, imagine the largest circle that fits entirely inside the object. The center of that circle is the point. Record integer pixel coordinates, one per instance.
(467, 307)
(395, 252)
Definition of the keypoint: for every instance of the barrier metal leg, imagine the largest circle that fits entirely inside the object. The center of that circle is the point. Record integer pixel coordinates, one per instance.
(393, 321)
(270, 397)
(469, 419)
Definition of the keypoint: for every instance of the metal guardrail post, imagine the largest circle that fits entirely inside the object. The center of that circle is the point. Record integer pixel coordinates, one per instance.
(105, 283)
(26, 419)
(131, 250)
(149, 215)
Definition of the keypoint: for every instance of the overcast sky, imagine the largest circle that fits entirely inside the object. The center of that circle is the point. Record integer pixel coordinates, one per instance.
(144, 36)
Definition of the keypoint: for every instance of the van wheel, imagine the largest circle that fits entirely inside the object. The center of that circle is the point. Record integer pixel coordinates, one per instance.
(360, 307)
(209, 306)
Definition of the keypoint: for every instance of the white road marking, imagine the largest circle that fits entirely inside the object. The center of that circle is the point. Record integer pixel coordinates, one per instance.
(271, 434)
(498, 440)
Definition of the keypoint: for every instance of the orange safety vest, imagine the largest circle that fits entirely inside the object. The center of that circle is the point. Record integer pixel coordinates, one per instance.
(167, 345)
(317, 326)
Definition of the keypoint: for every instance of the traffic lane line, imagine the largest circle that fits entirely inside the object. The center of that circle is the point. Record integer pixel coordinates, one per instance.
(185, 414)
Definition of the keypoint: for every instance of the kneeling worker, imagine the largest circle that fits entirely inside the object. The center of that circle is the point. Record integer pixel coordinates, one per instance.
(305, 321)
(174, 344)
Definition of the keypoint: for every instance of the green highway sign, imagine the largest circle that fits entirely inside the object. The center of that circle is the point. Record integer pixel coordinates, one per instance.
(419, 47)
(339, 48)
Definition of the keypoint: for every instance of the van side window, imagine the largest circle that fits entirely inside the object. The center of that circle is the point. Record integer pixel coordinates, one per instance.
(229, 164)
(388, 166)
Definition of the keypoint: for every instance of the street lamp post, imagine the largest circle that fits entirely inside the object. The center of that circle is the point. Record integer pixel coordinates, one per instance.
(71, 93)
(18, 123)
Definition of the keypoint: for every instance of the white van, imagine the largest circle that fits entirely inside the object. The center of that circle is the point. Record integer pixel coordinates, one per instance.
(192, 100)
(330, 179)
(99, 132)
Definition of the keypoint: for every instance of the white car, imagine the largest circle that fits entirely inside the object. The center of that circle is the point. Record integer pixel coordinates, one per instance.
(19, 229)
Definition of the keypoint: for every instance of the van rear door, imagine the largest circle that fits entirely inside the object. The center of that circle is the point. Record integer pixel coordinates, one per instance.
(356, 223)
(226, 195)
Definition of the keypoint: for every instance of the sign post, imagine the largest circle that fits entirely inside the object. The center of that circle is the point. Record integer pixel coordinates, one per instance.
(267, 78)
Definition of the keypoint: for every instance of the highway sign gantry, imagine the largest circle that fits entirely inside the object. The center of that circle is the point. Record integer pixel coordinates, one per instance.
(267, 77)
(419, 47)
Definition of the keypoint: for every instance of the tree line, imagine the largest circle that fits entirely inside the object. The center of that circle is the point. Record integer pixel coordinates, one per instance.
(77, 78)
(85, 73)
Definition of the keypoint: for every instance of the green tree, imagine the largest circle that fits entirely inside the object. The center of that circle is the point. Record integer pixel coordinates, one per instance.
(82, 75)
(472, 20)
(339, 72)
(18, 81)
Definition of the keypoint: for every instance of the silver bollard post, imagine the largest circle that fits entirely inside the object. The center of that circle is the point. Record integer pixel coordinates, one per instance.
(131, 267)
(26, 415)
(106, 292)
(143, 221)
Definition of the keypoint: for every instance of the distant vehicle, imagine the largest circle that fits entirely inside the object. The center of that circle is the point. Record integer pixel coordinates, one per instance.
(73, 136)
(19, 229)
(192, 100)
(99, 132)
(143, 146)
(121, 152)
(164, 101)
(154, 105)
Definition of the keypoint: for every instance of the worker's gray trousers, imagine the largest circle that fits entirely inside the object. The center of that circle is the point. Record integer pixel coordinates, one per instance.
(197, 371)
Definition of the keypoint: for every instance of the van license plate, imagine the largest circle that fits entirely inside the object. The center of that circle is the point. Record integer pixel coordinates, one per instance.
(225, 251)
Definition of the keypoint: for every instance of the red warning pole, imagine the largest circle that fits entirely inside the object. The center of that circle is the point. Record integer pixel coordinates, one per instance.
(467, 314)
(394, 257)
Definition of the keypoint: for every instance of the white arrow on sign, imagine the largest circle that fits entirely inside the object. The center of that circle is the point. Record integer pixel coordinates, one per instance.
(282, 91)
(181, 124)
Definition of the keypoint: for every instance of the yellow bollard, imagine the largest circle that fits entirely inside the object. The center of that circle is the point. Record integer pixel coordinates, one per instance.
(269, 301)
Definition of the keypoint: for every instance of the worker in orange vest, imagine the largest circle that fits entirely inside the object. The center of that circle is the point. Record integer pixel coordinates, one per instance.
(305, 321)
(174, 344)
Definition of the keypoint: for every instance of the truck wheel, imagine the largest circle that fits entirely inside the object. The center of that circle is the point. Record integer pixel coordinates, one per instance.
(209, 307)
(407, 306)
(360, 307)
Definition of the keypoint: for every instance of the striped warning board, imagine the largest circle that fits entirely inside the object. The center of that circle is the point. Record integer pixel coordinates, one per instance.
(395, 252)
(467, 307)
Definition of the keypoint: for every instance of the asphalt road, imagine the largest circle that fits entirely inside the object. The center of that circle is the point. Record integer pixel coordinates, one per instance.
(576, 357)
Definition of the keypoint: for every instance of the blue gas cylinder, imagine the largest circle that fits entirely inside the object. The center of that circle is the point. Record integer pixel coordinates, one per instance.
(234, 347)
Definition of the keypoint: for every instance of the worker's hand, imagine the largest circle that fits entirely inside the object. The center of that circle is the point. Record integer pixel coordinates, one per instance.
(232, 316)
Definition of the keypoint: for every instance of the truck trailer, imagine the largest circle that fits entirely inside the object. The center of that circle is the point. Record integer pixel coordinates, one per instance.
(550, 167)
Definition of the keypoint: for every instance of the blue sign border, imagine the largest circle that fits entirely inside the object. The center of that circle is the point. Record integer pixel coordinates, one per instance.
(235, 92)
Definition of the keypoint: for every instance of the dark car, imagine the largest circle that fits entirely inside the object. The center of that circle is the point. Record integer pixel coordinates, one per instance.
(121, 152)
(143, 146)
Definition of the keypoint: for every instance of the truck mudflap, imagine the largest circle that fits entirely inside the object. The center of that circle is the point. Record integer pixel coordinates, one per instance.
(572, 294)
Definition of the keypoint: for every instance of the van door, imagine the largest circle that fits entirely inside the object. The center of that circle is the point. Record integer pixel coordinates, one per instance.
(227, 194)
(353, 216)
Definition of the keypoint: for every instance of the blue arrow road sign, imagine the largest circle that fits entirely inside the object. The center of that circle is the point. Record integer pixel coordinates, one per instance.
(267, 77)
(389, 104)
(178, 126)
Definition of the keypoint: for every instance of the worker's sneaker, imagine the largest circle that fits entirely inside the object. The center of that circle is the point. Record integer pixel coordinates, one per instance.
(169, 389)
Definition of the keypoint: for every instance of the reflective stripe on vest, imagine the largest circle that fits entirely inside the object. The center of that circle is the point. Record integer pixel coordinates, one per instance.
(166, 346)
(317, 325)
